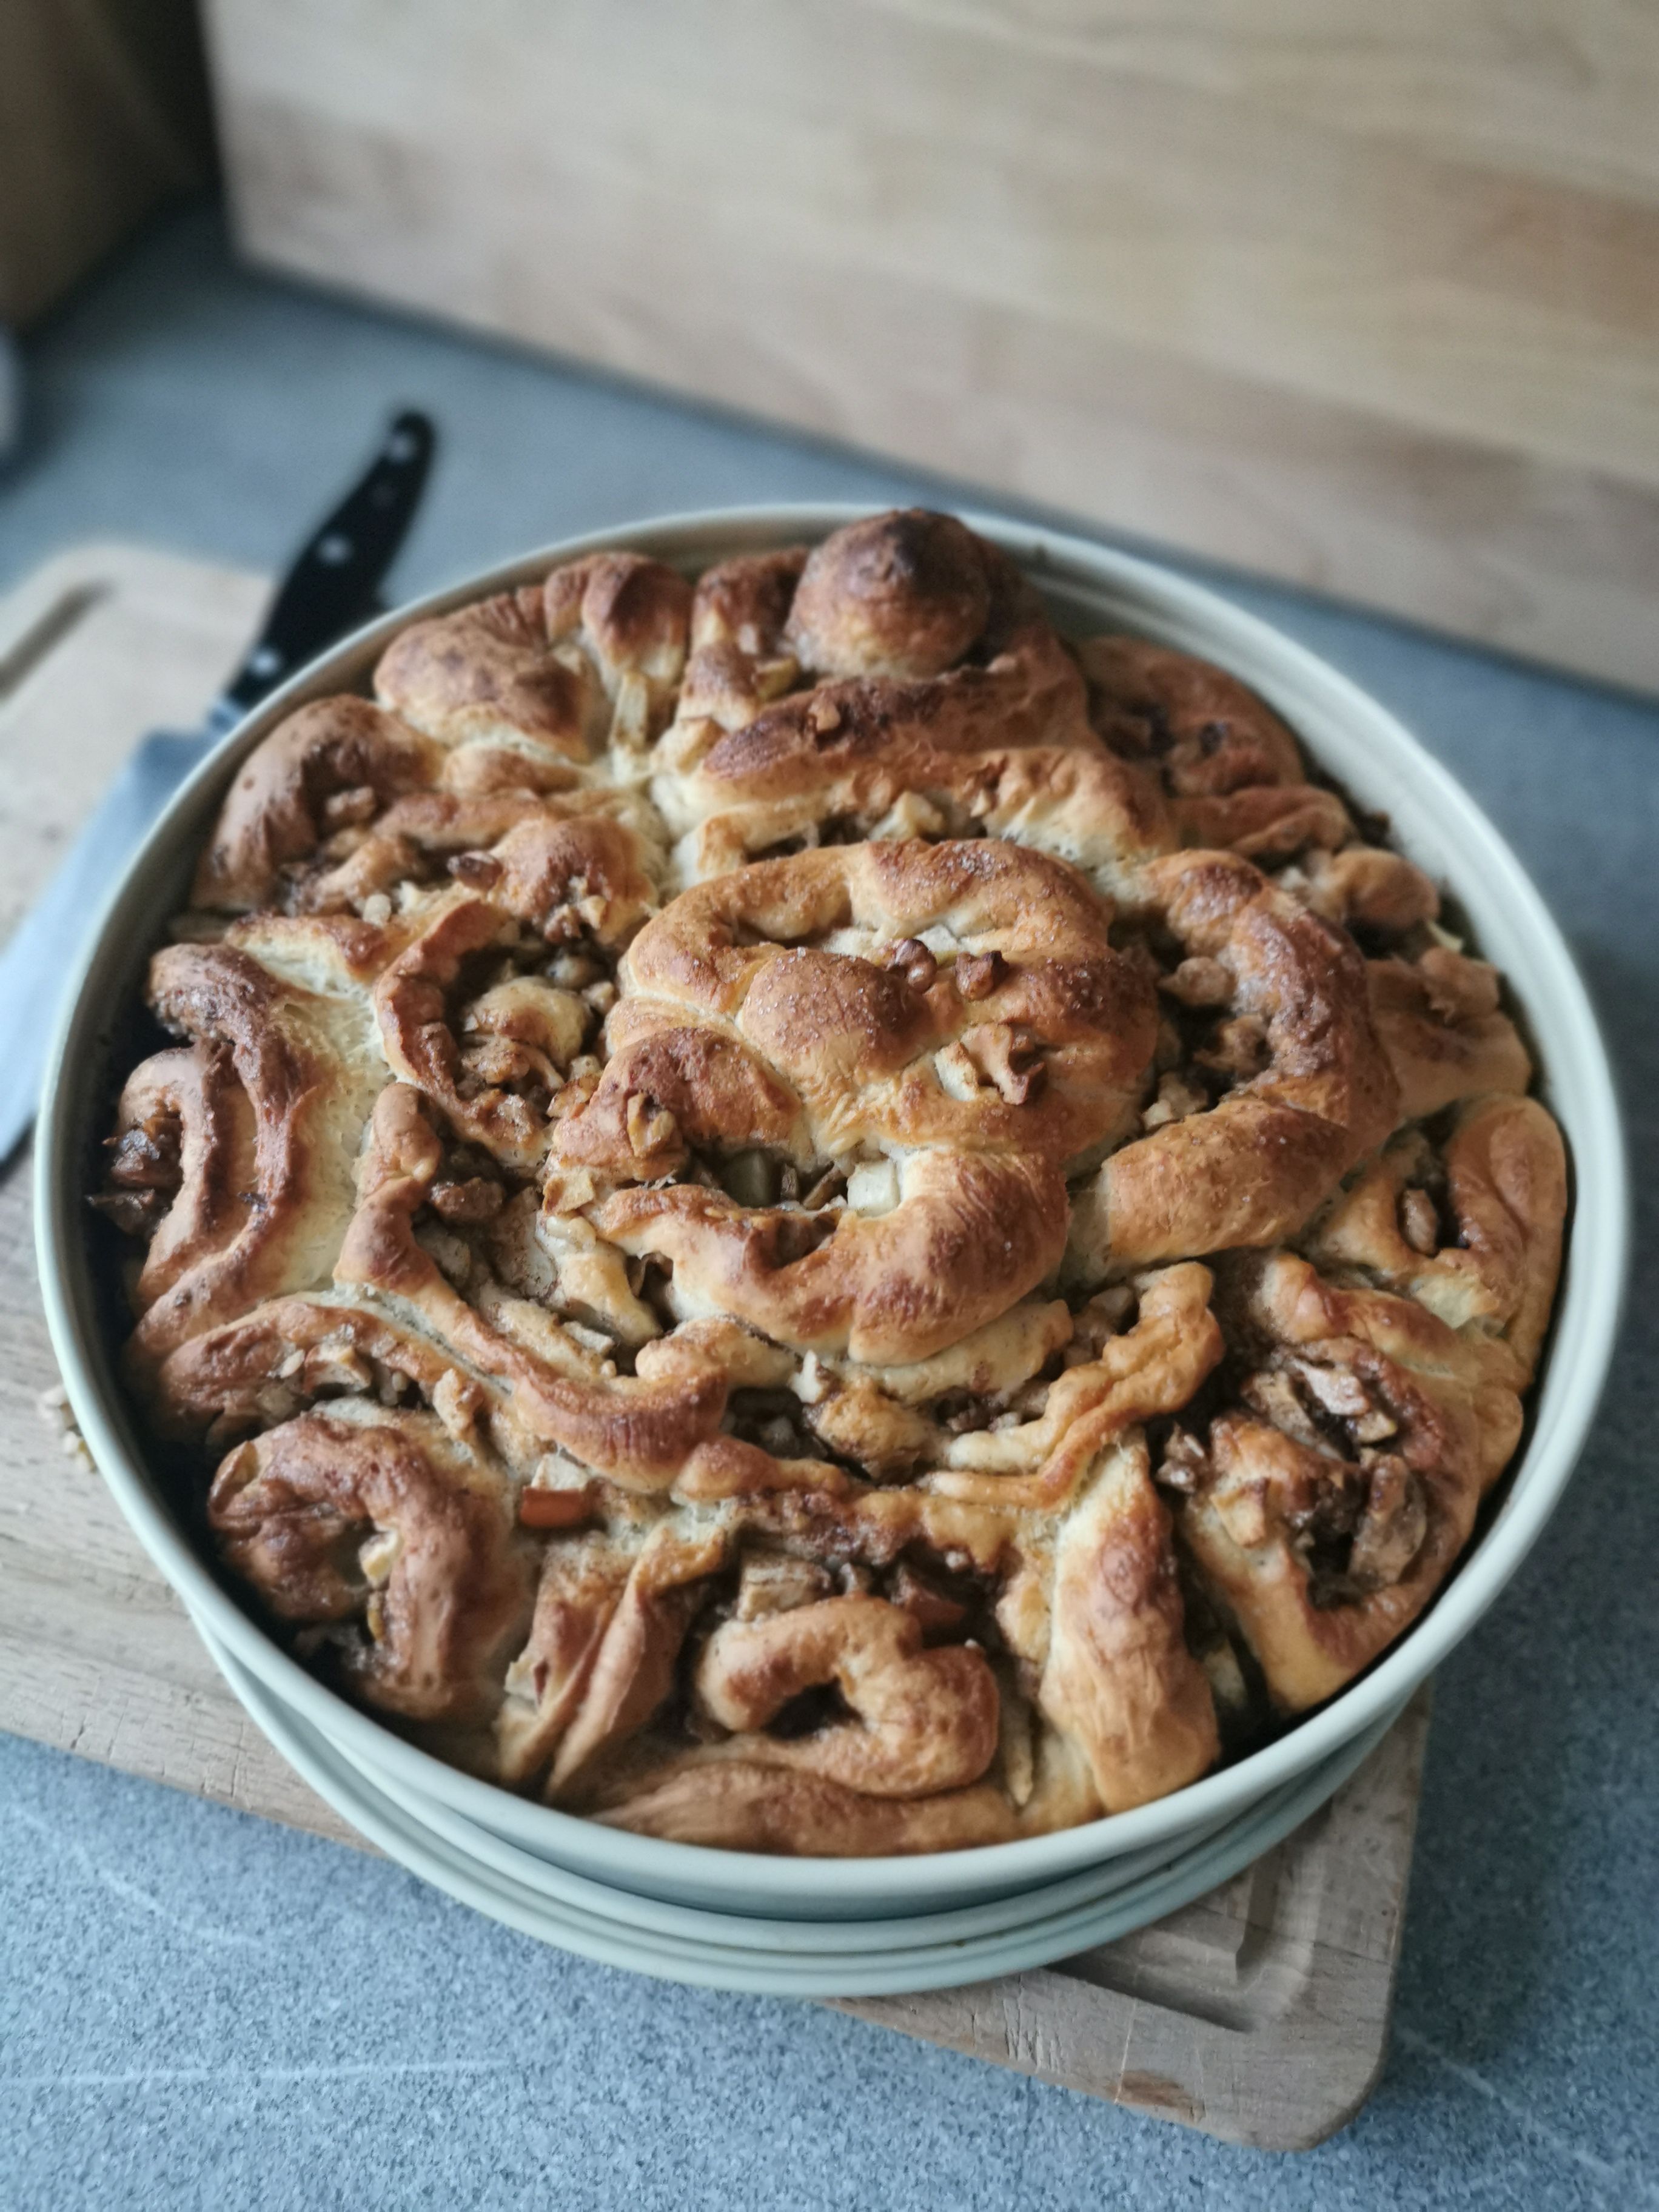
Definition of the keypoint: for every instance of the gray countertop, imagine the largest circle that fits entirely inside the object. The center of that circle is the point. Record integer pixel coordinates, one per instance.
(197, 2009)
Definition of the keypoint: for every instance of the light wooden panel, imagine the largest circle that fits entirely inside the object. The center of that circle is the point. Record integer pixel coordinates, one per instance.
(1550, 90)
(1370, 303)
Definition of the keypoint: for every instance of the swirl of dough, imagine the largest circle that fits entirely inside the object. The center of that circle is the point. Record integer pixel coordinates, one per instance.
(271, 1111)
(940, 701)
(1440, 1024)
(1328, 1510)
(501, 1365)
(477, 1062)
(921, 1720)
(591, 656)
(1253, 1167)
(1117, 1678)
(335, 762)
(974, 1075)
(1236, 780)
(437, 1574)
(909, 993)
(184, 1162)
(968, 1237)
(1489, 1268)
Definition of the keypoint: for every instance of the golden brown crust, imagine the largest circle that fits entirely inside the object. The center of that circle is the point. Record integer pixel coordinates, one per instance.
(908, 594)
(184, 1161)
(633, 1665)
(553, 669)
(492, 1075)
(1235, 781)
(1211, 733)
(1251, 1169)
(1391, 1409)
(329, 763)
(1119, 1681)
(968, 1238)
(1030, 1034)
(1395, 1511)
(489, 670)
(267, 1178)
(920, 1721)
(944, 703)
(805, 959)
(736, 1806)
(1490, 1267)
(392, 1309)
(1154, 1367)
(443, 1595)
(581, 1584)
(721, 1342)
(1440, 1025)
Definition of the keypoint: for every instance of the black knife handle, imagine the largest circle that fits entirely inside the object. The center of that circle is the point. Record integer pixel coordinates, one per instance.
(332, 584)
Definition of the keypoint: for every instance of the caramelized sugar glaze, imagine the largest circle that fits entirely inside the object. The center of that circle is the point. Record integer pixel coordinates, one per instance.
(798, 1214)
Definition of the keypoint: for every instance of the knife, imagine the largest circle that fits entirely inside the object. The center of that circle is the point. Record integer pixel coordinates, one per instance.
(330, 589)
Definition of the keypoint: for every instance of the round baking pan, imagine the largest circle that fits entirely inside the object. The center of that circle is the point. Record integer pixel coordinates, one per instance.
(1350, 738)
(753, 1931)
(770, 1957)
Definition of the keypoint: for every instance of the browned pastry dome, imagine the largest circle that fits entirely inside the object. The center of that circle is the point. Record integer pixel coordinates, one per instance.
(801, 1215)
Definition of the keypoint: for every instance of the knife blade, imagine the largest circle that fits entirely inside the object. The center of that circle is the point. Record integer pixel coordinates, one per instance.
(330, 588)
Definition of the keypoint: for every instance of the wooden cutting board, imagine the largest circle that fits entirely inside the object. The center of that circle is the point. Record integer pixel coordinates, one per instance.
(1260, 2013)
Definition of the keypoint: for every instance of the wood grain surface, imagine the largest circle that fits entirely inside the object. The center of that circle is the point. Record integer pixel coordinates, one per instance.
(1259, 2014)
(1369, 302)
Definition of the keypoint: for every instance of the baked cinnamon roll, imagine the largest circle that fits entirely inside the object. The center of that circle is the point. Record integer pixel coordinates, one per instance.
(796, 1213)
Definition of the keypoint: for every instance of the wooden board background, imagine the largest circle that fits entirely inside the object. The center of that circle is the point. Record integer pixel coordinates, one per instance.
(1366, 299)
(1259, 2014)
